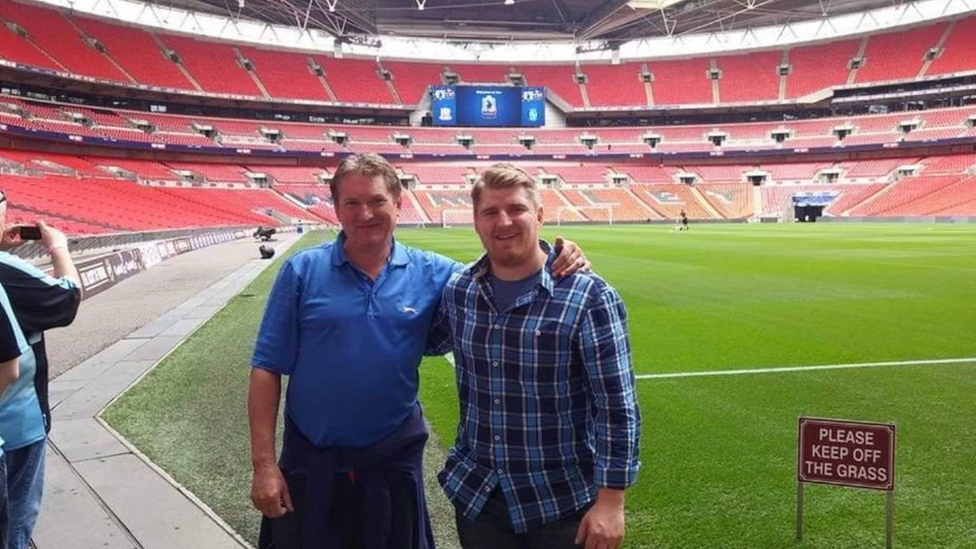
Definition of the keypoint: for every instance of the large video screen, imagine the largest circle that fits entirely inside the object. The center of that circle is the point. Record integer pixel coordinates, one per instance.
(488, 106)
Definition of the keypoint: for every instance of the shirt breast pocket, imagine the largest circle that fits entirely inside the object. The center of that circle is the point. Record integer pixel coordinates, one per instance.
(551, 345)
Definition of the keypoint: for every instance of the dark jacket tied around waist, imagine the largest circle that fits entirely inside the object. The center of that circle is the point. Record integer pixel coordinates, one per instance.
(354, 498)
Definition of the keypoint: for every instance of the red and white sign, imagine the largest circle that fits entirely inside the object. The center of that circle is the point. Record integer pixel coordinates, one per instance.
(847, 453)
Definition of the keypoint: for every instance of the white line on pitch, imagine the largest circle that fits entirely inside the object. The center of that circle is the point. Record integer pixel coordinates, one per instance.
(807, 368)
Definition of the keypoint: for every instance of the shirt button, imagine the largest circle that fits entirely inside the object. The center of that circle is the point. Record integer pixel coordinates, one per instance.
(538, 333)
(499, 471)
(498, 437)
(497, 326)
(497, 401)
(495, 364)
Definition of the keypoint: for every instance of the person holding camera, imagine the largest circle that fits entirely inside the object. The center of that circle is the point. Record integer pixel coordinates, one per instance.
(38, 302)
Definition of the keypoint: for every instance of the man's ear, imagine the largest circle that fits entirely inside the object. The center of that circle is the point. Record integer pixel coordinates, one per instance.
(541, 213)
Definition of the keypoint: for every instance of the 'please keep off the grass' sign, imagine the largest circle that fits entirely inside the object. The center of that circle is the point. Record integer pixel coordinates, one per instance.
(860, 455)
(846, 453)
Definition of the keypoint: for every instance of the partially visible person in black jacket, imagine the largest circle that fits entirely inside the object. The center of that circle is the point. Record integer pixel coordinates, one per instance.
(38, 302)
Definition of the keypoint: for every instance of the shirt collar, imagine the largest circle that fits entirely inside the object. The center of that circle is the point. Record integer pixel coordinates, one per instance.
(398, 255)
(482, 267)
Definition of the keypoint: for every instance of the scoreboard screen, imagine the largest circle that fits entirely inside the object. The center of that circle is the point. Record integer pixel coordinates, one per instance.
(488, 106)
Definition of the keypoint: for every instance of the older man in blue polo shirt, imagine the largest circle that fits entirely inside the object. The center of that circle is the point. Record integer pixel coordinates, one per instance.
(348, 322)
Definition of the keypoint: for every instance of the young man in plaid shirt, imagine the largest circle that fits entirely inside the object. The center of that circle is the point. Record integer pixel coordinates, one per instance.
(549, 429)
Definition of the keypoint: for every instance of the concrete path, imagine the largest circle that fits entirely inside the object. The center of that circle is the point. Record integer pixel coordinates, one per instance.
(100, 493)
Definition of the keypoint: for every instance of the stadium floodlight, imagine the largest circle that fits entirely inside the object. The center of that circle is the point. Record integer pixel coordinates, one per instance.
(420, 4)
(509, 2)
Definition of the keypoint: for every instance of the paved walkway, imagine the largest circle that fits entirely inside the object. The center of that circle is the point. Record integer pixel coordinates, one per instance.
(100, 493)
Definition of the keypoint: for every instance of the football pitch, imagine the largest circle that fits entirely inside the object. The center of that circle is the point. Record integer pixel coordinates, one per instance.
(736, 332)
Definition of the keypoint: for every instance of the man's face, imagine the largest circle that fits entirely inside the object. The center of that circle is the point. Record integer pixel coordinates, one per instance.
(366, 210)
(508, 221)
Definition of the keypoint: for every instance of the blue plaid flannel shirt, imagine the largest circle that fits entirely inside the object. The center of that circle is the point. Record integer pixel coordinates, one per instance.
(547, 401)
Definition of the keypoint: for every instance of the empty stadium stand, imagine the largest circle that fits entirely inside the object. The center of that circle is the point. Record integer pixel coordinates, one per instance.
(61, 41)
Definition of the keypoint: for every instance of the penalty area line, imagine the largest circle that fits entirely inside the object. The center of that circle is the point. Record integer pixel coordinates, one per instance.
(813, 368)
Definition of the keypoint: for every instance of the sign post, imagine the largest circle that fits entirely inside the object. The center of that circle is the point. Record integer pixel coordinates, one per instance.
(846, 453)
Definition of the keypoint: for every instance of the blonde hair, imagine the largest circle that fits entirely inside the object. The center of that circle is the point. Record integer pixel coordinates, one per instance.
(504, 176)
(367, 165)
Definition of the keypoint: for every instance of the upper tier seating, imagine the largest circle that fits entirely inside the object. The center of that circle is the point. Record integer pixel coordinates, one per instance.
(751, 77)
(136, 51)
(819, 66)
(136, 56)
(615, 85)
(52, 32)
(214, 65)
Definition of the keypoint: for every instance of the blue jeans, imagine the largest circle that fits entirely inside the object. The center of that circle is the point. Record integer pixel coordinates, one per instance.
(25, 484)
(3, 503)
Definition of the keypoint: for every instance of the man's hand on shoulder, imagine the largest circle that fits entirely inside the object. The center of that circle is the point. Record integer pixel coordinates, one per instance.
(569, 258)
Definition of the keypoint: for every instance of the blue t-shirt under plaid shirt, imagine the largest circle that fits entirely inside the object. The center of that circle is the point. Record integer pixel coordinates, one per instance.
(546, 388)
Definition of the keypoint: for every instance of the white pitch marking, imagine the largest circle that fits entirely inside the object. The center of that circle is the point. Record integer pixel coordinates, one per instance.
(807, 368)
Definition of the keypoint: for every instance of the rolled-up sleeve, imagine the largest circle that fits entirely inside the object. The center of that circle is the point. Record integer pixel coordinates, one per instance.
(277, 343)
(40, 301)
(605, 347)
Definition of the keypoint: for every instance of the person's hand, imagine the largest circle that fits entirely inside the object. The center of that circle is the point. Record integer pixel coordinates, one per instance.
(269, 492)
(569, 258)
(51, 237)
(11, 238)
(602, 526)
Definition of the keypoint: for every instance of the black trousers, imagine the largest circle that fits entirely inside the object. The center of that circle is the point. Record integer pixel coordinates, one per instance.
(492, 529)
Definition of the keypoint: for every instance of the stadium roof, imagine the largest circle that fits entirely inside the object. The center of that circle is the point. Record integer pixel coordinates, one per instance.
(614, 21)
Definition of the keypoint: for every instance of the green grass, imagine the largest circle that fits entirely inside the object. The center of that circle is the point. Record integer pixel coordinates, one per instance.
(189, 415)
(718, 453)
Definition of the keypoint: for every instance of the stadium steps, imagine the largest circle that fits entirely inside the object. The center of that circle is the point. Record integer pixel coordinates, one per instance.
(563, 198)
(782, 78)
(251, 72)
(852, 76)
(586, 96)
(647, 207)
(418, 208)
(884, 190)
(105, 53)
(289, 198)
(389, 84)
(50, 57)
(757, 202)
(648, 88)
(940, 44)
(705, 203)
(325, 82)
(716, 96)
(186, 74)
(648, 204)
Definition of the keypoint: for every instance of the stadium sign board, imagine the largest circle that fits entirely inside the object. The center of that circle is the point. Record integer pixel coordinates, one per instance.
(846, 453)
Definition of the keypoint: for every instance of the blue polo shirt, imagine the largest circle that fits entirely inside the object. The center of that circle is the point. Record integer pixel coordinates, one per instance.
(351, 345)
